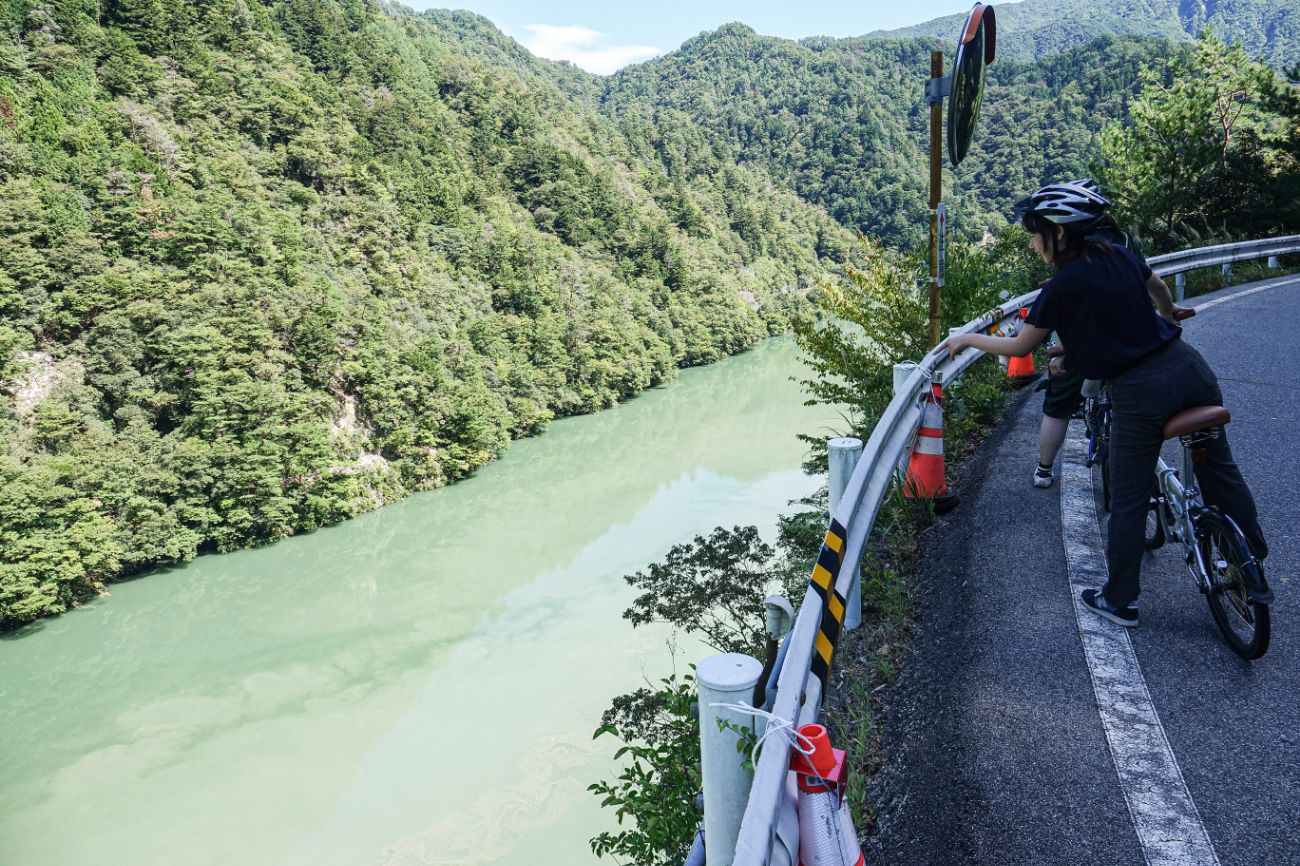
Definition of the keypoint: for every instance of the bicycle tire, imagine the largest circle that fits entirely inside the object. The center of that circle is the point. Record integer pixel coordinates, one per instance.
(1243, 622)
(1155, 531)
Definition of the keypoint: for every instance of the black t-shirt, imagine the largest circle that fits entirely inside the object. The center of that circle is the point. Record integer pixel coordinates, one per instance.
(1100, 307)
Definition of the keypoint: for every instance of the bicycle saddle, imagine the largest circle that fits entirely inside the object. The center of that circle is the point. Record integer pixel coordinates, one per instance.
(1195, 419)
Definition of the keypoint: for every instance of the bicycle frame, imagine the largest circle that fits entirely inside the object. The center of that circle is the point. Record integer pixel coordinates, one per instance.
(1183, 503)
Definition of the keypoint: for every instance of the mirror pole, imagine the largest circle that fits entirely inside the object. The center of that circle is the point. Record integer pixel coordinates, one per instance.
(936, 195)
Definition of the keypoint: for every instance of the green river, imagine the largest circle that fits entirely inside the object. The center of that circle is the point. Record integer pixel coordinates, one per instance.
(416, 686)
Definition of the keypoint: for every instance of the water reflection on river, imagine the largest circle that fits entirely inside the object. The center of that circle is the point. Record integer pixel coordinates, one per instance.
(417, 686)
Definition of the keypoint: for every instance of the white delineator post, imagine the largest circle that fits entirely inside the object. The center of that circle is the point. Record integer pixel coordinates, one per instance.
(728, 678)
(844, 454)
(1180, 286)
(1272, 262)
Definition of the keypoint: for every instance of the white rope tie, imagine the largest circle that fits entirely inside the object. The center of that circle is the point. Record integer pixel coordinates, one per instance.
(794, 740)
(775, 725)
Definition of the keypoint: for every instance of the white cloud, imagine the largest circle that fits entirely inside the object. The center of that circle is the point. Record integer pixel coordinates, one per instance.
(584, 47)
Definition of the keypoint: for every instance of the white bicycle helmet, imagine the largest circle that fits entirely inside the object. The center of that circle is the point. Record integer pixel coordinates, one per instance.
(1077, 203)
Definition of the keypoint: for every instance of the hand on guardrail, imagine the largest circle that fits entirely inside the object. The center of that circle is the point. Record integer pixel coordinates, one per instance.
(956, 344)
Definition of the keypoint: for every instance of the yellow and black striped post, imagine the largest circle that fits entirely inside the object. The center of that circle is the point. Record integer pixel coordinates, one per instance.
(824, 574)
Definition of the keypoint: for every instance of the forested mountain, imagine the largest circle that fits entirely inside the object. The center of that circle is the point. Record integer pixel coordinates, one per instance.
(264, 265)
(843, 121)
(1033, 29)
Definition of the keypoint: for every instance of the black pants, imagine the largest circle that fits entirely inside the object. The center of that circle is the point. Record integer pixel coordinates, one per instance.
(1143, 399)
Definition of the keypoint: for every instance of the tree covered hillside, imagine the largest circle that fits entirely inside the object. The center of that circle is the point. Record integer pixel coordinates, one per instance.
(843, 122)
(264, 265)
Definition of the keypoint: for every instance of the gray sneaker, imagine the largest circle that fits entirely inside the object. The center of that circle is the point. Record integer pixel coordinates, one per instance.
(1042, 477)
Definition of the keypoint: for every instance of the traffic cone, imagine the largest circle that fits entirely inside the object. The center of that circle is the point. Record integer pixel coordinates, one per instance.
(826, 834)
(1021, 369)
(925, 471)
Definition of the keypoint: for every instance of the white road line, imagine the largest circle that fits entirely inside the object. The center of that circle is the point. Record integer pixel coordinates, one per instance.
(1217, 301)
(1169, 828)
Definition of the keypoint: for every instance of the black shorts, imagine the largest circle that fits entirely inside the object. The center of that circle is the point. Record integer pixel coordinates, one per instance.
(1064, 395)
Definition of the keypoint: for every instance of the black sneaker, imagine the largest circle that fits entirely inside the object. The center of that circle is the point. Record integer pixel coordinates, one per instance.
(1094, 601)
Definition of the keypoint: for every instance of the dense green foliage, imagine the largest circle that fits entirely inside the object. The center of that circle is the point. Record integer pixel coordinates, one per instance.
(843, 123)
(835, 120)
(266, 265)
(1034, 29)
(714, 587)
(879, 316)
(1210, 149)
(653, 796)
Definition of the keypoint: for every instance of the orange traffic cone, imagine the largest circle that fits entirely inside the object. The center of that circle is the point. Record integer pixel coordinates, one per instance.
(826, 834)
(925, 470)
(1021, 369)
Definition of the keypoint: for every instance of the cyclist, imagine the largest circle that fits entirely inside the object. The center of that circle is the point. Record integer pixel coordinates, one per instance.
(1097, 301)
(1065, 387)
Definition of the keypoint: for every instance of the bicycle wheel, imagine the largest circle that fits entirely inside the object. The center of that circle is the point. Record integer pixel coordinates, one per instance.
(1155, 532)
(1244, 623)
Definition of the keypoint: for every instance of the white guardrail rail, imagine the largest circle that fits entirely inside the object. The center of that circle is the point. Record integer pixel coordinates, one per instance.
(798, 694)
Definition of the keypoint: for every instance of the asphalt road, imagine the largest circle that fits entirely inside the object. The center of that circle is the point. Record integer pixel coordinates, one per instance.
(993, 734)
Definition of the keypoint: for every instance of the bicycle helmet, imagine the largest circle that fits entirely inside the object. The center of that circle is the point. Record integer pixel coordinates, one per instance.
(1087, 185)
(1076, 203)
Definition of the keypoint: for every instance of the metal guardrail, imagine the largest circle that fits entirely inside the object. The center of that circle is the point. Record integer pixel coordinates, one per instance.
(1223, 254)
(798, 694)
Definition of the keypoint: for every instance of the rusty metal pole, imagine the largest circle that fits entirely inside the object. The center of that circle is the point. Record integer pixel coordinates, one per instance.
(936, 195)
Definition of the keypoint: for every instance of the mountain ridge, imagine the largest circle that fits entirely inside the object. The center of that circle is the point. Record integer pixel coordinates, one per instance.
(1034, 29)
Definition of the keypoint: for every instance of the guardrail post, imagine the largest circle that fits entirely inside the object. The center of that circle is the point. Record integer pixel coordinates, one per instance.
(844, 454)
(1227, 273)
(728, 678)
(1272, 262)
(901, 372)
(1180, 286)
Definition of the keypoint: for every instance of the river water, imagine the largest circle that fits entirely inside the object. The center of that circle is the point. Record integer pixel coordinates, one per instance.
(416, 686)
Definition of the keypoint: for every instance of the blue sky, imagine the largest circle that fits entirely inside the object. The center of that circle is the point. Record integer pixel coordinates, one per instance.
(603, 35)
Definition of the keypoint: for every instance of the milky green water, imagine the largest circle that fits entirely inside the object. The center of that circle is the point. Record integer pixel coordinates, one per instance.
(416, 686)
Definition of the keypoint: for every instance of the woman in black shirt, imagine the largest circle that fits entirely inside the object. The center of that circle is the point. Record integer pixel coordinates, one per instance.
(1099, 302)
